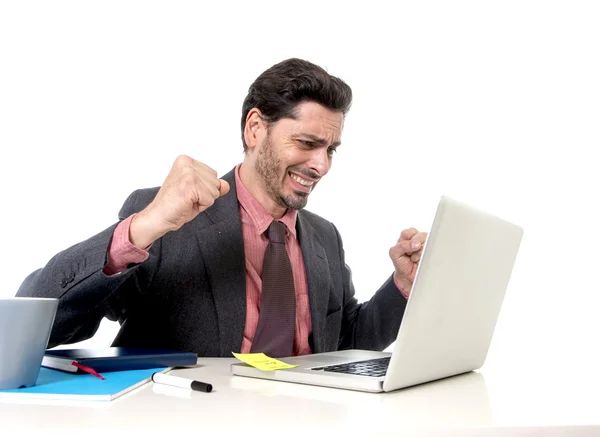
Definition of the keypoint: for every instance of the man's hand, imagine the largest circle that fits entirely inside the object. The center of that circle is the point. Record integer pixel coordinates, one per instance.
(406, 255)
(190, 188)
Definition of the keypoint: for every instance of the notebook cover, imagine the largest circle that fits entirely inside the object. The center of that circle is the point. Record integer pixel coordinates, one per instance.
(119, 358)
(54, 384)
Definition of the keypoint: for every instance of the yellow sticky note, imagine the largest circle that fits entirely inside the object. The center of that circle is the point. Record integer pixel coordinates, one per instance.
(263, 362)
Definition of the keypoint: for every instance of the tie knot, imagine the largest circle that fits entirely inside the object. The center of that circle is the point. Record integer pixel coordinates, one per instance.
(277, 232)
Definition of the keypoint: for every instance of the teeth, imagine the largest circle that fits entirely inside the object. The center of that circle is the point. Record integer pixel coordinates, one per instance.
(301, 181)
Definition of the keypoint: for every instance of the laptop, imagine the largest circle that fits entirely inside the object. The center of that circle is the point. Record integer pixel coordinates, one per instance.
(450, 315)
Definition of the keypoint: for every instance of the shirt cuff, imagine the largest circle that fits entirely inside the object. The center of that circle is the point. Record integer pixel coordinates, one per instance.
(121, 253)
(404, 293)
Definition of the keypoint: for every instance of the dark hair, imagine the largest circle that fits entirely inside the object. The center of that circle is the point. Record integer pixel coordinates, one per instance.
(278, 91)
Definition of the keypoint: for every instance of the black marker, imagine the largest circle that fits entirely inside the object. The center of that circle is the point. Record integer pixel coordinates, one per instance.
(177, 381)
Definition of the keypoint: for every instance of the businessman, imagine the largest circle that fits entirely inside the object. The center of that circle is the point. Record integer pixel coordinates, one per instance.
(215, 265)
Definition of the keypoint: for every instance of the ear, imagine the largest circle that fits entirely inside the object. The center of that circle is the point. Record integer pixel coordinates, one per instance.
(255, 128)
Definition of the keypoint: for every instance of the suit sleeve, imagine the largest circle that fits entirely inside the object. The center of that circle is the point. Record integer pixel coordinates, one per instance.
(86, 294)
(372, 325)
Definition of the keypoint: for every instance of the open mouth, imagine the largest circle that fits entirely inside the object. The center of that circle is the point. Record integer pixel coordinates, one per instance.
(300, 183)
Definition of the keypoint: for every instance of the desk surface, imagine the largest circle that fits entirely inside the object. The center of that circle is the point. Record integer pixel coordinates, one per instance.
(471, 404)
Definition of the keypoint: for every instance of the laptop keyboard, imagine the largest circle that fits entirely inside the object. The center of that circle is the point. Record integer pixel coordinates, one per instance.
(376, 367)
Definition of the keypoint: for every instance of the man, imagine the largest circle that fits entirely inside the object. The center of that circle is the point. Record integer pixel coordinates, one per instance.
(235, 264)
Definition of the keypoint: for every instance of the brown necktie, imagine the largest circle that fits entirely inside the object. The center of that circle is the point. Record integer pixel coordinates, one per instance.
(277, 313)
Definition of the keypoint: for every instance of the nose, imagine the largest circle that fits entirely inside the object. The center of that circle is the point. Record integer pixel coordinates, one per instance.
(320, 161)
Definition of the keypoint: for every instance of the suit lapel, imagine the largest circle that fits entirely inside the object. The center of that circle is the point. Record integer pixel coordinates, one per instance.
(222, 246)
(317, 277)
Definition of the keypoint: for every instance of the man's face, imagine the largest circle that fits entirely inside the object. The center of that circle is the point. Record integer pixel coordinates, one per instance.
(297, 153)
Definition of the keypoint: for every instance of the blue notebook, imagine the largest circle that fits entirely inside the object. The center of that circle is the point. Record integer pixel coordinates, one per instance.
(116, 359)
(54, 384)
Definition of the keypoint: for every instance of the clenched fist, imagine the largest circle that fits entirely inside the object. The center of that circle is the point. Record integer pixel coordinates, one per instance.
(406, 255)
(190, 188)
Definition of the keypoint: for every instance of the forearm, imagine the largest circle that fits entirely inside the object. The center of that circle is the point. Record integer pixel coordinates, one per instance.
(75, 276)
(374, 325)
(82, 308)
(371, 325)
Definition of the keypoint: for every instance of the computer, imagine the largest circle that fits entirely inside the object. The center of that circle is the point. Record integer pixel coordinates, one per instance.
(450, 315)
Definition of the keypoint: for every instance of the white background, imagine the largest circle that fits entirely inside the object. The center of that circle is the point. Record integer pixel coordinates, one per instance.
(496, 104)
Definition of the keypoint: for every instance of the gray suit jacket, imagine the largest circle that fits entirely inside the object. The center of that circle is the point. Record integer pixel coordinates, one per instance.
(190, 294)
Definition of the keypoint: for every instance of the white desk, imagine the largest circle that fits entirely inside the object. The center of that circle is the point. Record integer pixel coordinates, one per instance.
(473, 404)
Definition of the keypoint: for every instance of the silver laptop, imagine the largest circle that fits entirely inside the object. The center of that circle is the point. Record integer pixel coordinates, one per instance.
(450, 316)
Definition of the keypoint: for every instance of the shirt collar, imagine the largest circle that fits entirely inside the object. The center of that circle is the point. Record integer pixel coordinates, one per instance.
(257, 213)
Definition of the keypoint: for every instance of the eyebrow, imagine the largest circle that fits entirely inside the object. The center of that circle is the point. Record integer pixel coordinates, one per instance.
(317, 139)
